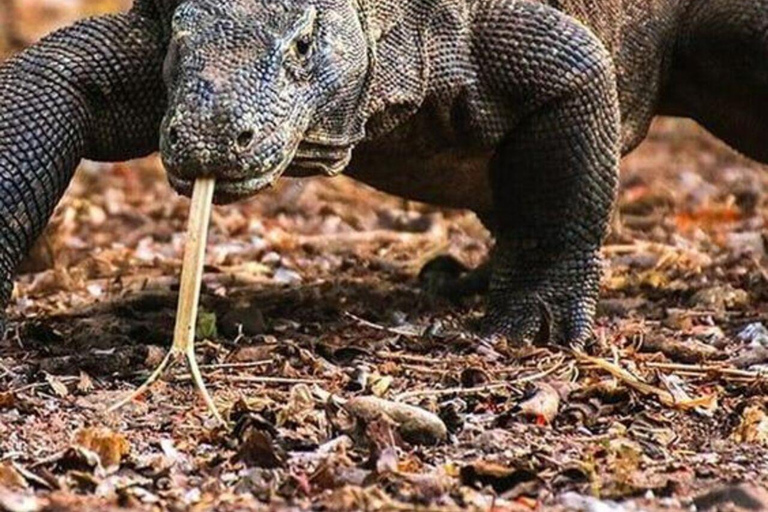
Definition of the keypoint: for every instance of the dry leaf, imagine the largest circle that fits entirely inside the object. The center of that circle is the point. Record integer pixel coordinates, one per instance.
(753, 427)
(300, 404)
(258, 449)
(381, 385)
(543, 405)
(7, 400)
(85, 384)
(10, 478)
(58, 387)
(110, 446)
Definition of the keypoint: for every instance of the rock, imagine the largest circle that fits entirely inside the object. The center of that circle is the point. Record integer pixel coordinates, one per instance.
(286, 276)
(575, 501)
(755, 334)
(621, 308)
(684, 351)
(496, 438)
(750, 243)
(753, 356)
(510, 482)
(17, 502)
(543, 405)
(415, 425)
(709, 334)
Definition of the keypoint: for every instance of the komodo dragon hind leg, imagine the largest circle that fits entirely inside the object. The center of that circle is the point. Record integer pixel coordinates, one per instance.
(91, 90)
(720, 78)
(555, 177)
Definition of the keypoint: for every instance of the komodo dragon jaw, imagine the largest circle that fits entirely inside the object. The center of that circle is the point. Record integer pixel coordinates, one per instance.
(258, 87)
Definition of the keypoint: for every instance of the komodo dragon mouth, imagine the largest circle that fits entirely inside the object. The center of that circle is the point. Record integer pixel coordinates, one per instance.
(230, 190)
(303, 159)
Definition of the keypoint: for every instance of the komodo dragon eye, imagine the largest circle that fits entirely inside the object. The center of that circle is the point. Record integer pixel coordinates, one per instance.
(302, 39)
(303, 46)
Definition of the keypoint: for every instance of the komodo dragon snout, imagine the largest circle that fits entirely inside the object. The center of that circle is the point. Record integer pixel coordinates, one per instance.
(253, 87)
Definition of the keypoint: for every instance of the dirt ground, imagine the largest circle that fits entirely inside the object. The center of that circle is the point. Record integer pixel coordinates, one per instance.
(311, 301)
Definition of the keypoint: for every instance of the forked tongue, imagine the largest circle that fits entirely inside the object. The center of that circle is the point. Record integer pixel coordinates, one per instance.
(189, 296)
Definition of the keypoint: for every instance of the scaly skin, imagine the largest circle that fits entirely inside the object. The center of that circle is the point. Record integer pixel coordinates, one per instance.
(517, 109)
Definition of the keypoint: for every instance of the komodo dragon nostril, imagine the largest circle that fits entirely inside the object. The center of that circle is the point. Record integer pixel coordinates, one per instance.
(245, 139)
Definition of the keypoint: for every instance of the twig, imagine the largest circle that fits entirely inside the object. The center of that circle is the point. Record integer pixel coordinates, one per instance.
(381, 354)
(394, 330)
(423, 369)
(478, 389)
(254, 378)
(707, 369)
(379, 236)
(665, 397)
(36, 385)
(227, 366)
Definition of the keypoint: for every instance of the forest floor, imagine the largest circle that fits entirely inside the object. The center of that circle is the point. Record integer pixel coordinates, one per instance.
(311, 297)
(311, 301)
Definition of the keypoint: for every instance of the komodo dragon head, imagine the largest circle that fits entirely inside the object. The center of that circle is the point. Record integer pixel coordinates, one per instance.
(259, 86)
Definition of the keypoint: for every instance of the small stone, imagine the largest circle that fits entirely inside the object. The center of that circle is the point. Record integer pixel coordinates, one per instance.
(749, 243)
(575, 501)
(755, 334)
(286, 276)
(271, 258)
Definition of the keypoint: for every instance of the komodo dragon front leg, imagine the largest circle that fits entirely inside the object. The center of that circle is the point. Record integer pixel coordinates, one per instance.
(554, 177)
(93, 90)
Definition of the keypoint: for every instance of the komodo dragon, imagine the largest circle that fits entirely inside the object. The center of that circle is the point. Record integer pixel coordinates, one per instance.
(516, 109)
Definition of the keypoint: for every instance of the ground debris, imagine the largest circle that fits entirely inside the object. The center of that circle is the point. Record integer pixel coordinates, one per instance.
(508, 482)
(684, 351)
(414, 424)
(543, 405)
(753, 425)
(744, 496)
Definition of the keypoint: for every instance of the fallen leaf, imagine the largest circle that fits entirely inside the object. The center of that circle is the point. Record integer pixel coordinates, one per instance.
(110, 446)
(258, 449)
(543, 405)
(300, 404)
(10, 478)
(206, 325)
(7, 400)
(380, 385)
(753, 426)
(85, 384)
(58, 387)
